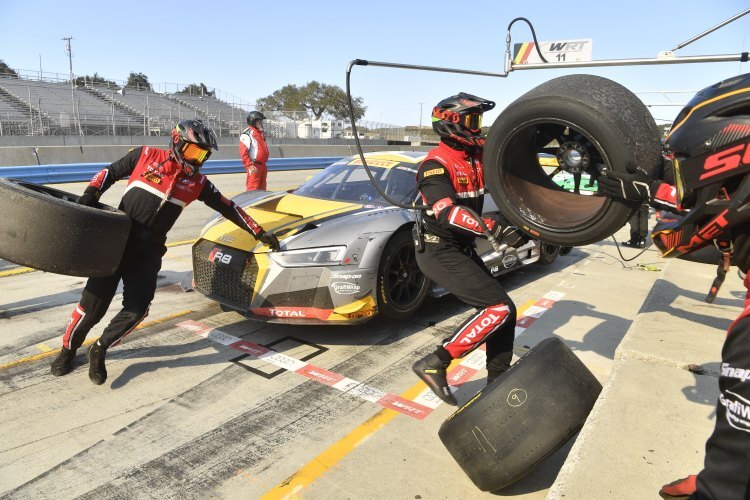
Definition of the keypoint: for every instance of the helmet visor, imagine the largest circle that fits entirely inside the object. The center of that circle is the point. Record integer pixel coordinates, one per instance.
(194, 154)
(472, 121)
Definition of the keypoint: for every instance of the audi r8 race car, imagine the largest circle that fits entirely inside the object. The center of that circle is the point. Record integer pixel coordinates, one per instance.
(346, 253)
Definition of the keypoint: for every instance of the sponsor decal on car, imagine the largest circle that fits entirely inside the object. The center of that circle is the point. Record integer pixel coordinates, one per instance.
(218, 256)
(346, 276)
(345, 288)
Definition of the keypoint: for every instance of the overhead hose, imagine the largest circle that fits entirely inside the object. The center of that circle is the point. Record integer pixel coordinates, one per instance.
(533, 35)
(491, 239)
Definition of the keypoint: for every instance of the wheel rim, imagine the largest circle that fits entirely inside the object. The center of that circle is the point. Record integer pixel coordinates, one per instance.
(556, 198)
(404, 282)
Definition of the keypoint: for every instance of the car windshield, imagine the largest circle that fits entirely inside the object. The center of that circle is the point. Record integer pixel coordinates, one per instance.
(349, 182)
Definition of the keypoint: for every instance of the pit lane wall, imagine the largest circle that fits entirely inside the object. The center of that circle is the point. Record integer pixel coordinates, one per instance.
(34, 151)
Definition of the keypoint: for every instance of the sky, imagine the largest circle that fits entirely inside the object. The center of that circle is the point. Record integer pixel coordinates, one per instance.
(249, 49)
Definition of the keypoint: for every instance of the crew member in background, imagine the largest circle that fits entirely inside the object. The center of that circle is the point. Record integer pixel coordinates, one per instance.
(450, 179)
(161, 183)
(638, 227)
(711, 197)
(254, 151)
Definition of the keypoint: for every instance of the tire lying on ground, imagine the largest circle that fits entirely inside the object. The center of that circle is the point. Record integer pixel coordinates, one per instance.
(577, 122)
(43, 228)
(524, 416)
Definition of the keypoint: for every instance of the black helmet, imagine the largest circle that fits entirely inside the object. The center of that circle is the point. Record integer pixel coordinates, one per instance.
(459, 118)
(708, 154)
(192, 143)
(254, 116)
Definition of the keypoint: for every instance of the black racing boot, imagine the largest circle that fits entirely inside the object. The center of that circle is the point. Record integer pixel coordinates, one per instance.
(97, 370)
(431, 369)
(492, 376)
(63, 363)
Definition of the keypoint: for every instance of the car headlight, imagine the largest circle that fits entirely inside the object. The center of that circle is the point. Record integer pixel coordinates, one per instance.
(321, 256)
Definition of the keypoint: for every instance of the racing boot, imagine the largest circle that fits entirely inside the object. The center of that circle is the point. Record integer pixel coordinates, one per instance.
(431, 369)
(97, 370)
(63, 363)
(682, 488)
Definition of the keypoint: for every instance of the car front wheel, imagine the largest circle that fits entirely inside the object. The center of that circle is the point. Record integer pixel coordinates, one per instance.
(402, 287)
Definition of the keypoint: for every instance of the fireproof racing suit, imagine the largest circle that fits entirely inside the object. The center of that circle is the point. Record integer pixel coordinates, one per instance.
(254, 154)
(726, 468)
(157, 192)
(450, 179)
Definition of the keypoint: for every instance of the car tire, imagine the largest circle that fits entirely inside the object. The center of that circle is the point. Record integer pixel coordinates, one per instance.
(44, 228)
(585, 121)
(402, 287)
(524, 416)
(548, 253)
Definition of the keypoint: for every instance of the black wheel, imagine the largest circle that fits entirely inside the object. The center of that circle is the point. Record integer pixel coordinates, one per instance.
(543, 150)
(402, 287)
(548, 253)
(43, 228)
(520, 419)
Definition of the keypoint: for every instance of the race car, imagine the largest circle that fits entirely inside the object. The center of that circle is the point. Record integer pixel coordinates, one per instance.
(346, 253)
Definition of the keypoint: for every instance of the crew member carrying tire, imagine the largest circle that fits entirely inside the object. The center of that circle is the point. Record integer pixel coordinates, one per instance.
(707, 153)
(161, 183)
(254, 151)
(451, 179)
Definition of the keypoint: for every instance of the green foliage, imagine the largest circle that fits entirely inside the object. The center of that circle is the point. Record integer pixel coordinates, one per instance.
(317, 98)
(82, 81)
(139, 81)
(5, 70)
(196, 89)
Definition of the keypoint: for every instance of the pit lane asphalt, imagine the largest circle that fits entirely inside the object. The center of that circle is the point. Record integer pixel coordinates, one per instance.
(183, 416)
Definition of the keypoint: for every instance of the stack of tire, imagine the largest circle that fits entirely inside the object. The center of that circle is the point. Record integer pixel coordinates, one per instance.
(45, 229)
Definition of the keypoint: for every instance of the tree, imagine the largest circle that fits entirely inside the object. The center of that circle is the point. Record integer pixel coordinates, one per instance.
(320, 99)
(6, 70)
(82, 81)
(138, 80)
(196, 89)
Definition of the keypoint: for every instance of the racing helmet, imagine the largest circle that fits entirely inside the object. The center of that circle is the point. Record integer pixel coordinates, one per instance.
(707, 152)
(192, 143)
(255, 116)
(459, 118)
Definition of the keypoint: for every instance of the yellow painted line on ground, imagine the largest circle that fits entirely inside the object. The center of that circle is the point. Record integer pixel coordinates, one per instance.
(44, 347)
(183, 242)
(294, 484)
(50, 353)
(18, 270)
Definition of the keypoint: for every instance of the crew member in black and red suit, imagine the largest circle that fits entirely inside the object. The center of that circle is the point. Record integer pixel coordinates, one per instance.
(450, 180)
(706, 155)
(160, 184)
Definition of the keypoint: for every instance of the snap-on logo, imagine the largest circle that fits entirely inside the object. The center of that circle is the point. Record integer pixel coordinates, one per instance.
(217, 255)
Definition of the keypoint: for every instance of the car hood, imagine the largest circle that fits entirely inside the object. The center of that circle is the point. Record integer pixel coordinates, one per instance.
(290, 217)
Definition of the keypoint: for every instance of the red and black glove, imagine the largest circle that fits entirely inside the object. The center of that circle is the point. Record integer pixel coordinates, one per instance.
(90, 197)
(269, 239)
(633, 186)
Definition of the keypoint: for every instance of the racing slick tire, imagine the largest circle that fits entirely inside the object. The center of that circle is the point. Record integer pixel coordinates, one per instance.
(547, 253)
(584, 121)
(521, 418)
(402, 287)
(44, 228)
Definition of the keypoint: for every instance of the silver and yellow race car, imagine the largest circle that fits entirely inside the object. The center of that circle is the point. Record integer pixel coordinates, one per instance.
(347, 254)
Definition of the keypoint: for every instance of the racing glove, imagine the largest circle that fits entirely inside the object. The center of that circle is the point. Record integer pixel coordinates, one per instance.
(269, 239)
(632, 186)
(90, 197)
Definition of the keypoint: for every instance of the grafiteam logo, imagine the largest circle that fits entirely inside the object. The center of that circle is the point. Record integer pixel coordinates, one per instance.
(343, 288)
(738, 410)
